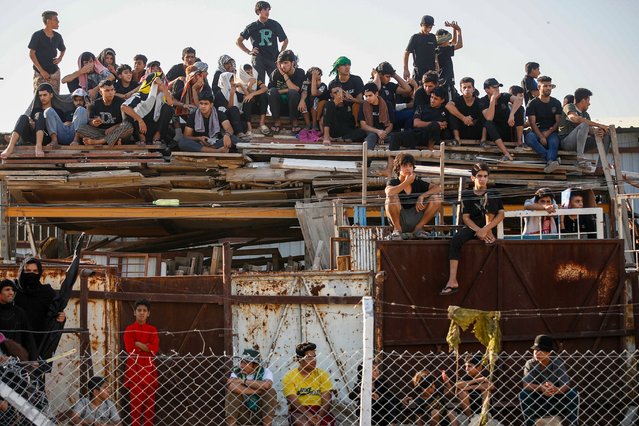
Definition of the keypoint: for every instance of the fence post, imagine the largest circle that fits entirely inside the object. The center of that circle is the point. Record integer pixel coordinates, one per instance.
(367, 365)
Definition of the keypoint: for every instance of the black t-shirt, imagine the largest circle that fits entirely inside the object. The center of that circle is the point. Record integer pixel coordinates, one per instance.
(477, 206)
(473, 110)
(529, 84)
(544, 112)
(429, 114)
(46, 49)
(423, 46)
(190, 122)
(376, 123)
(502, 108)
(109, 114)
(417, 188)
(321, 88)
(586, 224)
(354, 85)
(119, 88)
(265, 37)
(388, 92)
(421, 98)
(338, 118)
(445, 58)
(176, 71)
(277, 79)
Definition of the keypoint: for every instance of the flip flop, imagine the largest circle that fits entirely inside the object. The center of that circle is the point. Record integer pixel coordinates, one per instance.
(447, 291)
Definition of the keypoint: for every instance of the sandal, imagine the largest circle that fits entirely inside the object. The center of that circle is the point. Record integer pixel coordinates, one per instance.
(452, 142)
(275, 129)
(296, 129)
(505, 158)
(265, 130)
(484, 144)
(421, 235)
(396, 236)
(447, 291)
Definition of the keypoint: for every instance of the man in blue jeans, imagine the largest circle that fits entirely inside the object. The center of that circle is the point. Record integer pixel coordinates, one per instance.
(547, 390)
(544, 114)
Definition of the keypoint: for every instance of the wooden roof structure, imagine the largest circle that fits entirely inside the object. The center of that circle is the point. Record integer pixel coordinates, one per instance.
(250, 194)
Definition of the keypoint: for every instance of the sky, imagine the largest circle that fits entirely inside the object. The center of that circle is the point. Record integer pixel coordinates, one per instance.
(587, 43)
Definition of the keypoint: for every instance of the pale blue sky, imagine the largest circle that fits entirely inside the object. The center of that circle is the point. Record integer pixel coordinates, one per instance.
(584, 43)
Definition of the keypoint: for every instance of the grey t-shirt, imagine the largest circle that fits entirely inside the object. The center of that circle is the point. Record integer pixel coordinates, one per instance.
(104, 413)
(565, 125)
(535, 373)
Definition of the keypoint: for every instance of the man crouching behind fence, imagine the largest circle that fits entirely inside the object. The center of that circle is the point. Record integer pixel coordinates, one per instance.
(547, 390)
(251, 396)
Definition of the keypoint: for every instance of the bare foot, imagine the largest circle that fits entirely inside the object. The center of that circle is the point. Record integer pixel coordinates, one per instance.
(74, 143)
(53, 144)
(39, 152)
(6, 153)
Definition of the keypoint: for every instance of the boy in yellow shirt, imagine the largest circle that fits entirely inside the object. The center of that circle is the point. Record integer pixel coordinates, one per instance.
(308, 390)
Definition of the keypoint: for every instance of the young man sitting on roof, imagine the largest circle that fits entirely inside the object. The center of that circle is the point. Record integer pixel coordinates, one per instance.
(338, 119)
(410, 202)
(208, 130)
(105, 119)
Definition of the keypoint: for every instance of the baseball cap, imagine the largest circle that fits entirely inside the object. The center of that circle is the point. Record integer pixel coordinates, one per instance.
(79, 92)
(201, 66)
(251, 355)
(492, 82)
(385, 68)
(428, 20)
(543, 343)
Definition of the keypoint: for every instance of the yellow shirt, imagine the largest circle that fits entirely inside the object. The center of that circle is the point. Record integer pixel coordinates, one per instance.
(308, 389)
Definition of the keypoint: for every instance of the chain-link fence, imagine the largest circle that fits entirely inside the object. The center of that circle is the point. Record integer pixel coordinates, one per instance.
(408, 389)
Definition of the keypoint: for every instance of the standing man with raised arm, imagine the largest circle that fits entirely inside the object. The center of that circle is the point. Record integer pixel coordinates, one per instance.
(43, 51)
(265, 35)
(423, 47)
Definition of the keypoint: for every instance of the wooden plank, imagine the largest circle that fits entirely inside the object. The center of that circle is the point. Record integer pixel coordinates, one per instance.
(324, 165)
(313, 146)
(153, 212)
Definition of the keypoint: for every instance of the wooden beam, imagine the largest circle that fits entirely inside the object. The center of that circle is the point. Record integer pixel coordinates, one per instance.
(153, 212)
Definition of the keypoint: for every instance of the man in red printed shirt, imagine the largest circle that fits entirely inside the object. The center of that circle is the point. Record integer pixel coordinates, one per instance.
(141, 343)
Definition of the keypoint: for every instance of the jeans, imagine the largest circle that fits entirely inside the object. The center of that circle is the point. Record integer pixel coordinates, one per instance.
(580, 140)
(547, 153)
(535, 405)
(404, 119)
(56, 126)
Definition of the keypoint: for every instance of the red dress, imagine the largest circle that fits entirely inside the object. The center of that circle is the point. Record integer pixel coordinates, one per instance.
(141, 376)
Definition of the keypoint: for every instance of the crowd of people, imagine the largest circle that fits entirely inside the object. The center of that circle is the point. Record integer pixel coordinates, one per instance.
(113, 103)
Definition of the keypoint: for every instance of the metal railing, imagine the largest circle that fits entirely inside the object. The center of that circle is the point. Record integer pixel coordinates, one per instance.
(536, 215)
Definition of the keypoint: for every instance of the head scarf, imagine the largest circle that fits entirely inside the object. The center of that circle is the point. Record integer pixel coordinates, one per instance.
(225, 59)
(342, 60)
(224, 84)
(98, 68)
(102, 56)
(244, 77)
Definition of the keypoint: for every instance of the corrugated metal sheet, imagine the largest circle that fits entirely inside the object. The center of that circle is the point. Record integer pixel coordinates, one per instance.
(103, 330)
(363, 246)
(277, 329)
(629, 160)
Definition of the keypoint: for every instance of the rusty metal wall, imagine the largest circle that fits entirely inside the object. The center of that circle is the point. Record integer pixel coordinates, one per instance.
(102, 324)
(277, 329)
(526, 280)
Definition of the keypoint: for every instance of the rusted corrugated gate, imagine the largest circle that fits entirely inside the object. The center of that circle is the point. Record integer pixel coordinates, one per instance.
(526, 280)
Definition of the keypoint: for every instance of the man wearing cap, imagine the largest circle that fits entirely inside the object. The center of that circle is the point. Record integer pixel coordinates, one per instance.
(546, 386)
(14, 323)
(473, 386)
(422, 46)
(500, 117)
(105, 119)
(544, 115)
(65, 132)
(250, 392)
(382, 76)
(265, 35)
(308, 390)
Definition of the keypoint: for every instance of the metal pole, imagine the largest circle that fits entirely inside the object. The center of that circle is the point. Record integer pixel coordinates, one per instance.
(227, 259)
(366, 392)
(442, 163)
(364, 172)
